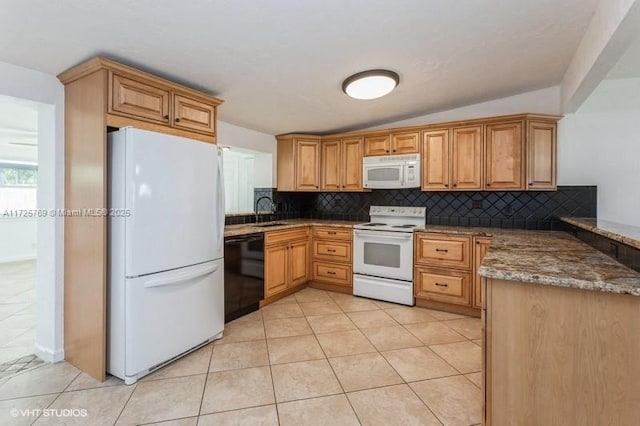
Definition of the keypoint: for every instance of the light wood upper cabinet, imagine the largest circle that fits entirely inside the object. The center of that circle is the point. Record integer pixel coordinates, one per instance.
(405, 143)
(331, 160)
(192, 114)
(341, 164)
(299, 163)
(514, 152)
(541, 155)
(377, 145)
(157, 104)
(435, 160)
(480, 247)
(466, 158)
(307, 164)
(505, 165)
(352, 164)
(138, 99)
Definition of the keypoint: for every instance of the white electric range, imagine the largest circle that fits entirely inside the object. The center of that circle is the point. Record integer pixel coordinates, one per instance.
(383, 253)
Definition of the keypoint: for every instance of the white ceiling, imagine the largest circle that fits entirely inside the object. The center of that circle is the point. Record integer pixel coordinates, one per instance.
(18, 130)
(279, 64)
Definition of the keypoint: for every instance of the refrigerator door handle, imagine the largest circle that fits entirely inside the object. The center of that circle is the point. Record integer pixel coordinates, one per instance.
(182, 278)
(221, 198)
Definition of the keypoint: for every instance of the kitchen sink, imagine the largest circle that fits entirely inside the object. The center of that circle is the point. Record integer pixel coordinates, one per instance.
(268, 225)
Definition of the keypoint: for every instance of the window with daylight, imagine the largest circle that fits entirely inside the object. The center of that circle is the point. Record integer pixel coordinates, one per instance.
(18, 186)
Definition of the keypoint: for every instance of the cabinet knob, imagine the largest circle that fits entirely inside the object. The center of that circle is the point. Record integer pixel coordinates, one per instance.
(166, 117)
(394, 150)
(455, 184)
(387, 150)
(177, 120)
(530, 183)
(317, 186)
(446, 185)
(488, 183)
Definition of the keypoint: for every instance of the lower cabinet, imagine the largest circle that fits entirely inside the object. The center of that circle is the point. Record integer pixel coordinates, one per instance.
(480, 247)
(331, 261)
(286, 259)
(443, 285)
(446, 269)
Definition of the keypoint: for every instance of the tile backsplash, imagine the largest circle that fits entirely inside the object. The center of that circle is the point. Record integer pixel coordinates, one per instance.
(521, 210)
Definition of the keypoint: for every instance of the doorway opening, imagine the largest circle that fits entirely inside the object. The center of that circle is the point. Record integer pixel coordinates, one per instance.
(19, 216)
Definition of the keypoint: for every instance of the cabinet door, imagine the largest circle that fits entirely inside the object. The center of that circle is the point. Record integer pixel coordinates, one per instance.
(139, 100)
(376, 145)
(307, 163)
(541, 156)
(405, 143)
(481, 245)
(466, 153)
(435, 160)
(275, 263)
(443, 285)
(331, 164)
(352, 164)
(192, 114)
(505, 156)
(298, 258)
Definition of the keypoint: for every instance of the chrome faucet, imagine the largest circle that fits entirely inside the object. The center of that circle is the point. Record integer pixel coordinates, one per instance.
(264, 197)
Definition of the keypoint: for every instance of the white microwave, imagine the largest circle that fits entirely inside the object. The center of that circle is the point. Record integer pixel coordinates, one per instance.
(391, 171)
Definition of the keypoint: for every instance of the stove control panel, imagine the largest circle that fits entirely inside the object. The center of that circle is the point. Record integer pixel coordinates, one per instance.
(398, 211)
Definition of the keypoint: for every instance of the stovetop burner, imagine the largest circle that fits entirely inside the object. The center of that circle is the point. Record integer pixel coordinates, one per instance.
(404, 226)
(374, 224)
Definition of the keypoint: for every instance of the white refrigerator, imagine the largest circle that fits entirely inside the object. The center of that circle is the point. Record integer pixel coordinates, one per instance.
(166, 268)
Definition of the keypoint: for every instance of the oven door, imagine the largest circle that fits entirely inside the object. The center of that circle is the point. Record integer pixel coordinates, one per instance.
(383, 254)
(383, 175)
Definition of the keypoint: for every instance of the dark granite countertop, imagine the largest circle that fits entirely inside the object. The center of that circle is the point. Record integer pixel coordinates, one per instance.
(625, 234)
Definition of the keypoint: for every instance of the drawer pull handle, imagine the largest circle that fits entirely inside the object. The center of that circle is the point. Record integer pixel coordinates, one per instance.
(442, 285)
(442, 250)
(332, 232)
(331, 273)
(331, 250)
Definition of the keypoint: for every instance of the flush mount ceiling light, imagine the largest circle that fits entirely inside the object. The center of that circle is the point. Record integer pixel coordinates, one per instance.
(370, 84)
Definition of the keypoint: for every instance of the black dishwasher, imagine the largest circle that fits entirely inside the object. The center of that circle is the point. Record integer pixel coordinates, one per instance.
(243, 275)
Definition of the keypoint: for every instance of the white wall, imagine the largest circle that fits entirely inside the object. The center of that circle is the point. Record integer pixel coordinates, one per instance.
(232, 135)
(601, 146)
(18, 240)
(46, 89)
(546, 101)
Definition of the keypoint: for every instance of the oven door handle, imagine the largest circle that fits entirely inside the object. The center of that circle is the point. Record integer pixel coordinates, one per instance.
(386, 235)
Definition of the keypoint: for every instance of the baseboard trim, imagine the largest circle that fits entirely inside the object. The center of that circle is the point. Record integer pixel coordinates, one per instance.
(49, 355)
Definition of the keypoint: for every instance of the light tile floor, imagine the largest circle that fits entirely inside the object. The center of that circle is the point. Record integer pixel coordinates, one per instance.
(17, 311)
(312, 358)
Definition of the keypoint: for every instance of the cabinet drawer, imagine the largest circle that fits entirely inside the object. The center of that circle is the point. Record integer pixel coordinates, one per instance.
(332, 250)
(275, 237)
(443, 250)
(139, 100)
(332, 273)
(443, 285)
(329, 233)
(192, 114)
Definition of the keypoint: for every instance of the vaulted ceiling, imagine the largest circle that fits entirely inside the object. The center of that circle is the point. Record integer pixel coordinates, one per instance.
(279, 64)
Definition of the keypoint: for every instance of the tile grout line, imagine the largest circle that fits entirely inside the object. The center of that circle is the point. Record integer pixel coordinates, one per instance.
(273, 384)
(336, 376)
(206, 379)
